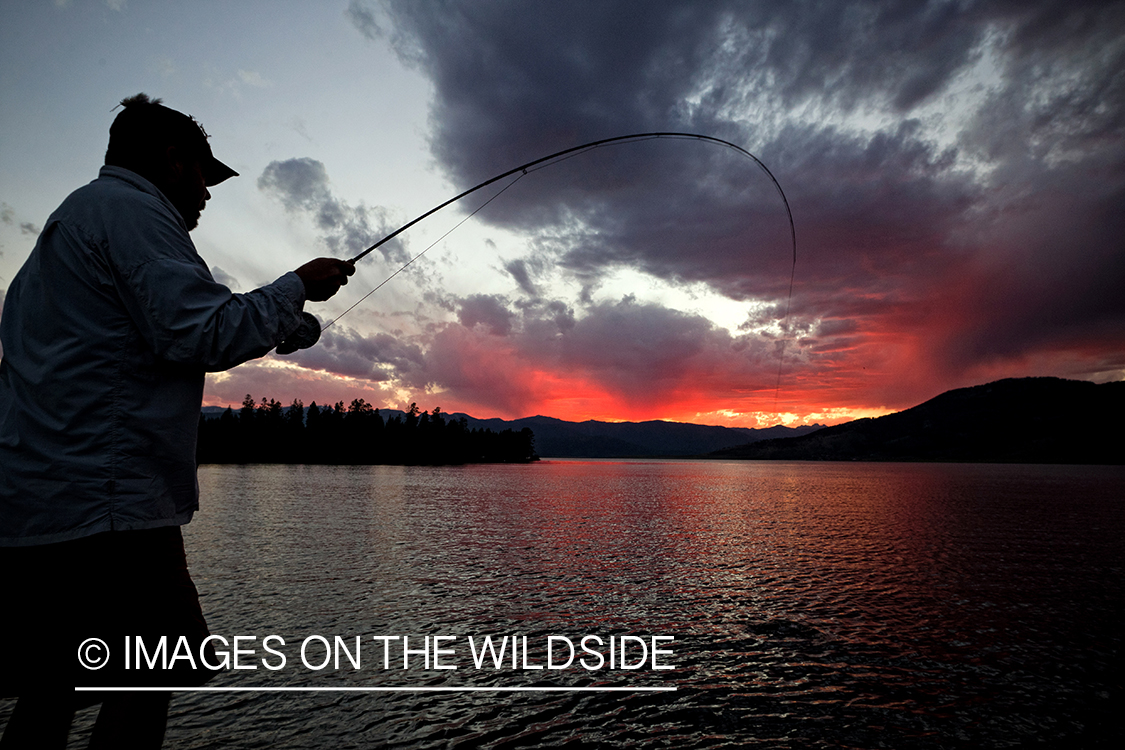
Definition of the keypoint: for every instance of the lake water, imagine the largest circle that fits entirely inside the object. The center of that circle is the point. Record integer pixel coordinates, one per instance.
(812, 605)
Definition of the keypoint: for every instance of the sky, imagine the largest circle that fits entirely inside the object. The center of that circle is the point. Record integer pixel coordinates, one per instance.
(955, 170)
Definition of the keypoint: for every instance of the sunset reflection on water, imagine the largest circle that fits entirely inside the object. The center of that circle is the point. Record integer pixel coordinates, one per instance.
(813, 605)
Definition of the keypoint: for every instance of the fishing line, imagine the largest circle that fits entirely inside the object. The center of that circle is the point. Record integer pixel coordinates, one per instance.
(419, 255)
(569, 153)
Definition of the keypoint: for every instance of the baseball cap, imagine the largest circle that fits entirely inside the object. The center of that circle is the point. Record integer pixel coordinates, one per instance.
(145, 126)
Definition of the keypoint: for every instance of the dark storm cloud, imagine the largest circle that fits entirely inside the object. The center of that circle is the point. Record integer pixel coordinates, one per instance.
(993, 239)
(569, 67)
(1057, 284)
(302, 185)
(515, 81)
(1055, 135)
(1064, 86)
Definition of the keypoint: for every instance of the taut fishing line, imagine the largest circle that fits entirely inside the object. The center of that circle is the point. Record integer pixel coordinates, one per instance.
(561, 156)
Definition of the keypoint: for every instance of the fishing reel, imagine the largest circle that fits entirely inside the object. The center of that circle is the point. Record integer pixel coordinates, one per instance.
(307, 334)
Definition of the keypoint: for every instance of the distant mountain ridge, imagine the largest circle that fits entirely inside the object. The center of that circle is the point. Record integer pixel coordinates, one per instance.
(557, 438)
(1018, 420)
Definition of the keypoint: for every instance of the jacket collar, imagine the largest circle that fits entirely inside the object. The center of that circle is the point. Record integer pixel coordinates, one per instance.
(140, 183)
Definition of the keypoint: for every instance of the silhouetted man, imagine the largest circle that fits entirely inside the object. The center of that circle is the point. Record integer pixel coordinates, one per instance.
(107, 332)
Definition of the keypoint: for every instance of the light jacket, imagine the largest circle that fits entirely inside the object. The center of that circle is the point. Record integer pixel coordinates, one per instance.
(107, 332)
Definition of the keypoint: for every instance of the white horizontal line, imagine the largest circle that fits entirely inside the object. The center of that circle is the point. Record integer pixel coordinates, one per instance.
(376, 689)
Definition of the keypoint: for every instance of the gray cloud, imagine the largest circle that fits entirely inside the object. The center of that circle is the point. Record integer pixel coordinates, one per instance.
(487, 310)
(27, 228)
(641, 349)
(522, 274)
(302, 185)
(377, 358)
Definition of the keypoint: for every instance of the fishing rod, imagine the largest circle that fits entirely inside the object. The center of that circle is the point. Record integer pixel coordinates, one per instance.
(559, 156)
(574, 151)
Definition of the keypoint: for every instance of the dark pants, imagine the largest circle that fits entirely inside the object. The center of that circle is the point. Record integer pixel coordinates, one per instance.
(55, 598)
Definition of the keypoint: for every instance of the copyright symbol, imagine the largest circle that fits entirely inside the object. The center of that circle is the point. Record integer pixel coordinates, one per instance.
(93, 653)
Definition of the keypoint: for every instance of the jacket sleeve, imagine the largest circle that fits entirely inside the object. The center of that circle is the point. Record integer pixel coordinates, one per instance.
(184, 315)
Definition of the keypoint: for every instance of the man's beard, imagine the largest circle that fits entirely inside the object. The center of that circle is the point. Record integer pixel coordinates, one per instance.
(190, 216)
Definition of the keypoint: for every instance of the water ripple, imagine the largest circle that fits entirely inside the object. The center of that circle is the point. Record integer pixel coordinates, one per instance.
(813, 605)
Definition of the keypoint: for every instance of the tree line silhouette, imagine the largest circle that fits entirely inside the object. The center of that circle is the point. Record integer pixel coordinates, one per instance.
(267, 432)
